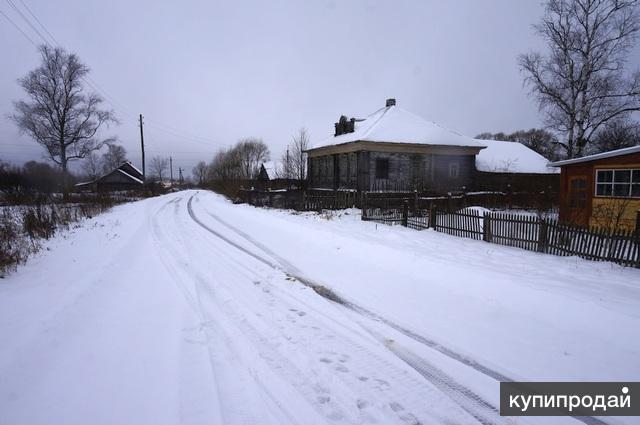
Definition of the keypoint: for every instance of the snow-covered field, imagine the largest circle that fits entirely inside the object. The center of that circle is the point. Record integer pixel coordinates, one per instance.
(188, 309)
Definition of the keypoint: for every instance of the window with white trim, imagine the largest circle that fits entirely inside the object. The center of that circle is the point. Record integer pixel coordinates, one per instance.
(621, 183)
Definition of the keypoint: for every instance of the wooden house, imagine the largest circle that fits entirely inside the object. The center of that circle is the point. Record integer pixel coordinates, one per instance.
(601, 190)
(392, 149)
(125, 177)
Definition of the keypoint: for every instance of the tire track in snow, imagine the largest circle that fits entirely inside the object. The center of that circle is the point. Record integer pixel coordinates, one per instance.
(219, 340)
(472, 403)
(293, 271)
(414, 392)
(430, 373)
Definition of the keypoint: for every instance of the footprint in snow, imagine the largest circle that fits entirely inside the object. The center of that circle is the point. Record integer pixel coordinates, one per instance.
(395, 406)
(342, 368)
(362, 403)
(323, 399)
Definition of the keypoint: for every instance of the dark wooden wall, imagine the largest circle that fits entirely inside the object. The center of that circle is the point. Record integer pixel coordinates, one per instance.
(358, 171)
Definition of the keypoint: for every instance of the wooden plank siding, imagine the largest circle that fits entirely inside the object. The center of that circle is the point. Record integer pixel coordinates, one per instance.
(357, 170)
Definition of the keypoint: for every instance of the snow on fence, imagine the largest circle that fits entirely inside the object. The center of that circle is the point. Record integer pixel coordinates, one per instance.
(521, 231)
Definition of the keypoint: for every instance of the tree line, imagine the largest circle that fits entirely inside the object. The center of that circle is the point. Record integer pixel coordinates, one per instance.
(242, 161)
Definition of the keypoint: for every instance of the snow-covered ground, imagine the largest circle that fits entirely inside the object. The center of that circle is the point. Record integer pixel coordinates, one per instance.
(189, 309)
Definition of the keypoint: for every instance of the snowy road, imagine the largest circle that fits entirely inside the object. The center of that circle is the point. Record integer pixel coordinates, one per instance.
(185, 309)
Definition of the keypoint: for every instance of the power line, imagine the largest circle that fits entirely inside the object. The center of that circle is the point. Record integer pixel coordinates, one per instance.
(24, 18)
(209, 143)
(92, 83)
(176, 131)
(18, 28)
(38, 21)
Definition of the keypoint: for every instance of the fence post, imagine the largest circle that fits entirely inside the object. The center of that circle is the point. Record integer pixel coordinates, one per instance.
(542, 236)
(405, 213)
(486, 227)
(432, 215)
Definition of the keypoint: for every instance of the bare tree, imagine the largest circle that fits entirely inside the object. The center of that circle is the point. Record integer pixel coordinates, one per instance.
(92, 165)
(59, 115)
(251, 153)
(200, 172)
(224, 166)
(113, 157)
(617, 134)
(159, 166)
(581, 84)
(286, 169)
(300, 146)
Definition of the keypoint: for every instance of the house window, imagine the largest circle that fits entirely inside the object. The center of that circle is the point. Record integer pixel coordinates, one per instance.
(353, 171)
(623, 183)
(382, 168)
(578, 192)
(454, 170)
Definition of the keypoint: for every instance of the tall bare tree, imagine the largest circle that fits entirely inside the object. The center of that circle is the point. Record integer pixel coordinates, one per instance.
(59, 114)
(159, 166)
(113, 157)
(92, 165)
(582, 84)
(300, 146)
(251, 153)
(200, 172)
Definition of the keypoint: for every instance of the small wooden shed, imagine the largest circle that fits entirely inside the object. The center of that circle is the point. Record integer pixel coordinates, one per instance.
(125, 177)
(601, 190)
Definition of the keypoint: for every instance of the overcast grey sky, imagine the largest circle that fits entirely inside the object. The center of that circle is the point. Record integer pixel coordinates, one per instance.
(207, 73)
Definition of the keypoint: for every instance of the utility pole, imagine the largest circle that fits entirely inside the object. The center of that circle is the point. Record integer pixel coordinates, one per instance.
(180, 174)
(288, 169)
(142, 146)
(171, 169)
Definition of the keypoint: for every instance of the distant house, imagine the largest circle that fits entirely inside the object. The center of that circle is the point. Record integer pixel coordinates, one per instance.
(601, 190)
(392, 148)
(513, 166)
(125, 177)
(263, 174)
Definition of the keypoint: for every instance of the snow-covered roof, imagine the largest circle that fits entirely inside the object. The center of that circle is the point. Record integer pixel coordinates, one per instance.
(610, 154)
(392, 124)
(129, 176)
(270, 166)
(132, 166)
(511, 157)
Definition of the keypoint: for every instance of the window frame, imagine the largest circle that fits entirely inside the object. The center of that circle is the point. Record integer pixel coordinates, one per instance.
(577, 194)
(611, 185)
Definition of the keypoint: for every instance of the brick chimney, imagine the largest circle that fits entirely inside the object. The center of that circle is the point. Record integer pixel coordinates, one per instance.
(391, 102)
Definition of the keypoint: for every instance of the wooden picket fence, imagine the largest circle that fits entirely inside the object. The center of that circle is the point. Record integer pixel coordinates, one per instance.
(316, 200)
(522, 231)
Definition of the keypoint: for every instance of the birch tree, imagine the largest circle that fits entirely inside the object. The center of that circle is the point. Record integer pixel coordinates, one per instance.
(59, 114)
(581, 83)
